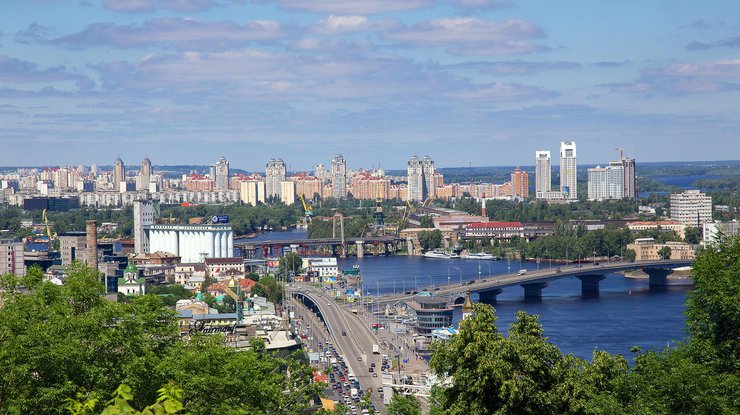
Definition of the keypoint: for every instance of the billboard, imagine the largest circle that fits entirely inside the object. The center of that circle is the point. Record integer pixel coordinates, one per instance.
(220, 219)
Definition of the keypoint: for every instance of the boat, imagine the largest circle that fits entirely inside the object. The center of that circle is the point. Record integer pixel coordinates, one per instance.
(440, 254)
(481, 256)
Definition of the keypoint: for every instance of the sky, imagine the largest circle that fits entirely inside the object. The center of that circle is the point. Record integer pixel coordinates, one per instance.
(468, 82)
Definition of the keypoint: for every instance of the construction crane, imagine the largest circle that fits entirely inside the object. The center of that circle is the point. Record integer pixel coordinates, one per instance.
(48, 229)
(307, 209)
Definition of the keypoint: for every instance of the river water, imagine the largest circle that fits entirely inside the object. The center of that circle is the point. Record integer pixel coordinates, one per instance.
(625, 314)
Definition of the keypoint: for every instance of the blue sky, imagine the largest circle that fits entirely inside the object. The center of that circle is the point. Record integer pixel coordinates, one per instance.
(481, 82)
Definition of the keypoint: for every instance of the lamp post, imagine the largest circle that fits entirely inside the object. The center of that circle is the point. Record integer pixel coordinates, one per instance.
(460, 271)
(430, 280)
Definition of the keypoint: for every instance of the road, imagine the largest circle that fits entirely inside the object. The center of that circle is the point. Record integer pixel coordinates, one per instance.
(356, 345)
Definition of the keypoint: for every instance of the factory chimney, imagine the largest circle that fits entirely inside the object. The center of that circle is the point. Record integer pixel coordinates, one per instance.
(92, 244)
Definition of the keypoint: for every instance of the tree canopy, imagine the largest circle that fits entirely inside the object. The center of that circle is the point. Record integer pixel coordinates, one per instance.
(62, 342)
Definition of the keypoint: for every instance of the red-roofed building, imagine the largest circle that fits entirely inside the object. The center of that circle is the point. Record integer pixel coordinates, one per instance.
(225, 268)
(494, 230)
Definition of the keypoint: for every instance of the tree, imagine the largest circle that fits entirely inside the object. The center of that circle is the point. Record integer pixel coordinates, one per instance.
(692, 235)
(290, 264)
(713, 312)
(426, 222)
(630, 255)
(430, 239)
(404, 405)
(168, 403)
(664, 252)
(60, 341)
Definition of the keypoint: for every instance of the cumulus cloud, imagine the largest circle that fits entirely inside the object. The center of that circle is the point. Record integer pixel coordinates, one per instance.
(33, 33)
(350, 6)
(505, 92)
(139, 6)
(471, 36)
(342, 24)
(177, 33)
(686, 78)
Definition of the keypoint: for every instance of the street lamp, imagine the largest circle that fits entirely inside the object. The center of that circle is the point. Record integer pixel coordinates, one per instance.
(239, 307)
(460, 271)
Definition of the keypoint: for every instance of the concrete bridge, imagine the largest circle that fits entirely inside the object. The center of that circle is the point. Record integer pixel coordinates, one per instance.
(534, 281)
(375, 245)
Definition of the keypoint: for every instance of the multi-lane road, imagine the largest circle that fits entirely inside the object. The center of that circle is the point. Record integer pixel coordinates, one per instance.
(351, 338)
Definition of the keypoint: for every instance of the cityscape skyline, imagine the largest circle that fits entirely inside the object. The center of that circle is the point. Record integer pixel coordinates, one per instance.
(465, 79)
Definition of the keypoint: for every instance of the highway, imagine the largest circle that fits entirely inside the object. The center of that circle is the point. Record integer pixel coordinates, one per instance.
(356, 345)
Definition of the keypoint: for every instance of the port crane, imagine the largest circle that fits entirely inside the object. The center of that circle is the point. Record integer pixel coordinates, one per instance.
(307, 209)
(45, 218)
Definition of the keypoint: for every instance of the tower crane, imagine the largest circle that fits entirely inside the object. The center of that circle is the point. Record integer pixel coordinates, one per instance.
(307, 209)
(48, 229)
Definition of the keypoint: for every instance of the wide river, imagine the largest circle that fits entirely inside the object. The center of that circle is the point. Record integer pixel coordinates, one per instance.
(625, 314)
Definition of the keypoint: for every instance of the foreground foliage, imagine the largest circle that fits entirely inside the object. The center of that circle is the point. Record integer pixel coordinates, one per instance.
(525, 374)
(62, 342)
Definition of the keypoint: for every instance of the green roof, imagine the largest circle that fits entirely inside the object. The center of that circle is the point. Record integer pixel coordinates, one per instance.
(131, 268)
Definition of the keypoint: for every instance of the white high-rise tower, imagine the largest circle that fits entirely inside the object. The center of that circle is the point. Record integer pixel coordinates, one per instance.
(543, 172)
(568, 170)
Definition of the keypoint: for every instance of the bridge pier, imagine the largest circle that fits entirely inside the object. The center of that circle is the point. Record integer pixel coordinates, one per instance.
(360, 248)
(533, 290)
(590, 284)
(658, 276)
(489, 297)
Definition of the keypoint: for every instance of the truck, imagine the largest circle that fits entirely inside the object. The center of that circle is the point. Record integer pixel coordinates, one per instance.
(522, 271)
(353, 392)
(376, 349)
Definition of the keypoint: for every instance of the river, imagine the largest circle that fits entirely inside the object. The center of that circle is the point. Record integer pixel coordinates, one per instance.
(625, 314)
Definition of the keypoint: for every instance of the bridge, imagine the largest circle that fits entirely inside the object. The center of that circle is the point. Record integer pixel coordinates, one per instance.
(376, 245)
(534, 281)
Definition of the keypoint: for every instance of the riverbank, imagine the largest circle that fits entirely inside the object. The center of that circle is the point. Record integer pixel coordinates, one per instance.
(679, 275)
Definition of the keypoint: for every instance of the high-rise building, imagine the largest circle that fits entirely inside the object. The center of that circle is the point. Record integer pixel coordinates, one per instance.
(606, 182)
(520, 183)
(222, 174)
(542, 173)
(427, 165)
(321, 172)
(252, 192)
(339, 176)
(630, 179)
(287, 192)
(119, 173)
(274, 175)
(145, 175)
(568, 170)
(145, 214)
(691, 208)
(415, 178)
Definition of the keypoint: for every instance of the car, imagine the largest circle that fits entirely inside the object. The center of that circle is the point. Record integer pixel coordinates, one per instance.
(471, 282)
(344, 333)
(359, 358)
(372, 364)
(375, 375)
(328, 303)
(596, 264)
(558, 270)
(436, 289)
(371, 370)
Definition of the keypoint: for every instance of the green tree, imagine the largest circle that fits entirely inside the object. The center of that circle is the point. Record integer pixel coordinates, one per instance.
(290, 264)
(664, 252)
(630, 255)
(713, 312)
(404, 405)
(430, 239)
(692, 235)
(426, 222)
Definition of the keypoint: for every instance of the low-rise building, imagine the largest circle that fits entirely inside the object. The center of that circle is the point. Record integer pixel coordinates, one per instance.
(224, 268)
(12, 257)
(131, 283)
(665, 225)
(494, 230)
(713, 229)
(431, 312)
(646, 249)
(322, 267)
(190, 275)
